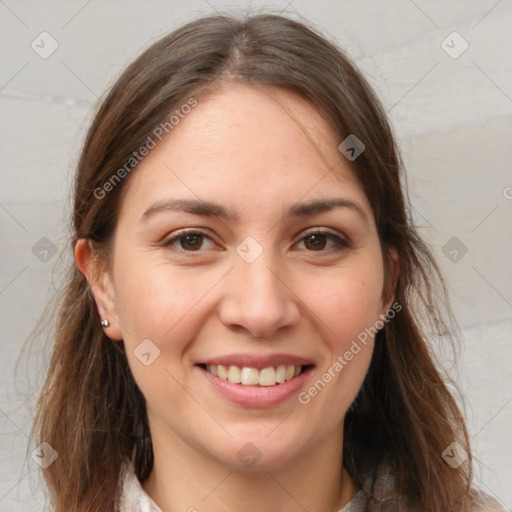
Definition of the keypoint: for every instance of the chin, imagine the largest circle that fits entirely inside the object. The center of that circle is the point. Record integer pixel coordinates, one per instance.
(258, 453)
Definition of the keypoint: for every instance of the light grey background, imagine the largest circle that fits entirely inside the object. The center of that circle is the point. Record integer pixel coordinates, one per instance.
(452, 116)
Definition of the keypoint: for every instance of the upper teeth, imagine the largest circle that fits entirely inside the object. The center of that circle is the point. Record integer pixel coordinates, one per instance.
(269, 376)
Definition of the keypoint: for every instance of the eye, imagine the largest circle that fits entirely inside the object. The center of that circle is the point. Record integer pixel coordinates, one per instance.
(189, 241)
(317, 239)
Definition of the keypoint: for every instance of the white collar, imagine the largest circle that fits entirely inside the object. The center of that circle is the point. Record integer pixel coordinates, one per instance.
(133, 497)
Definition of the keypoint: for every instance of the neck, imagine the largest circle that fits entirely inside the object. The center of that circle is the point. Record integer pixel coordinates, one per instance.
(188, 479)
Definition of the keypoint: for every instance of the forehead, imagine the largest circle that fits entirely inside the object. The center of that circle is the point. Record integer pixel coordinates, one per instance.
(248, 147)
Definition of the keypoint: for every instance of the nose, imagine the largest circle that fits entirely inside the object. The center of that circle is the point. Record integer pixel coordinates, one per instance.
(258, 299)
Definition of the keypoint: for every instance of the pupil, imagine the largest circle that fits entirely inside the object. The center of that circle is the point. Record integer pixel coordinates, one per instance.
(193, 241)
(316, 243)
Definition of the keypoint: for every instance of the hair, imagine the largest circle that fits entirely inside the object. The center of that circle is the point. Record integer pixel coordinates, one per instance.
(91, 411)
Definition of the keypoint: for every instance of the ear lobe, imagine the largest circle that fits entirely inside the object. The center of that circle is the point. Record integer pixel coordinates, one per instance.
(101, 285)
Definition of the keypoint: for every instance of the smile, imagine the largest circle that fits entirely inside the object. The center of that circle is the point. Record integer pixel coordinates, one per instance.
(252, 388)
(247, 376)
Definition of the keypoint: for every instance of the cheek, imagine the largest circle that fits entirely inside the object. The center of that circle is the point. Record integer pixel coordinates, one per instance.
(348, 307)
(350, 317)
(152, 297)
(348, 301)
(168, 306)
(158, 303)
(353, 308)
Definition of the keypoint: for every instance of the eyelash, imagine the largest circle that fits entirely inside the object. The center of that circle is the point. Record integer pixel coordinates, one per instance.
(340, 242)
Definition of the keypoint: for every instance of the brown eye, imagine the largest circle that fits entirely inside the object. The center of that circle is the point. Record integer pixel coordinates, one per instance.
(316, 241)
(191, 242)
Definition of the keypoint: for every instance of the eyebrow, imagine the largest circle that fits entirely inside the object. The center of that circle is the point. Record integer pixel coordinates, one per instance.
(211, 209)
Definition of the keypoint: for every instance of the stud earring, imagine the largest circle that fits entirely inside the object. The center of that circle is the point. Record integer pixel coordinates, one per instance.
(105, 323)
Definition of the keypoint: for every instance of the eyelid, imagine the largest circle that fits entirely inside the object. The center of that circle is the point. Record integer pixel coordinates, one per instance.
(167, 242)
(340, 239)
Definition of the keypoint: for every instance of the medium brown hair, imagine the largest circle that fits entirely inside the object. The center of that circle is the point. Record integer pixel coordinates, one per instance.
(90, 409)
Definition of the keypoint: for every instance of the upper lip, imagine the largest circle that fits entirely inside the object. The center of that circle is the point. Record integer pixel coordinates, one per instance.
(257, 361)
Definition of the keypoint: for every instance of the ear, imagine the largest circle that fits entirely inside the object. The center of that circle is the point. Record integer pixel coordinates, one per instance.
(392, 271)
(101, 284)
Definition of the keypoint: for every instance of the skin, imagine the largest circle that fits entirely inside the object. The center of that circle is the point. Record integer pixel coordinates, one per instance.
(240, 148)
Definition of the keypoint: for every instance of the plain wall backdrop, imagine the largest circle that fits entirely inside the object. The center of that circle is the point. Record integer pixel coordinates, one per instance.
(444, 73)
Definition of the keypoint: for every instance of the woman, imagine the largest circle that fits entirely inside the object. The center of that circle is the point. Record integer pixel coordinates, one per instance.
(245, 325)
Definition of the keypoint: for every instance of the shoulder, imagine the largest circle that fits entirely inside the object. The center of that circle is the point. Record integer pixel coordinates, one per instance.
(381, 492)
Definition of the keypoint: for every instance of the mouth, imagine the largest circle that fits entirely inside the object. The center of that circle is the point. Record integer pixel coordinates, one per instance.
(249, 376)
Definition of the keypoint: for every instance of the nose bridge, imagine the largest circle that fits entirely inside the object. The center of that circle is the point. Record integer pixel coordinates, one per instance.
(256, 281)
(256, 261)
(256, 298)
(259, 279)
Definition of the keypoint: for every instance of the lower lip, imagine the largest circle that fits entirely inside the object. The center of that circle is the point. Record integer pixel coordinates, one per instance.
(258, 396)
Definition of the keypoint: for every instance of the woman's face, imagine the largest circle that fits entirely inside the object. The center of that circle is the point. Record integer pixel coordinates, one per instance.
(235, 277)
